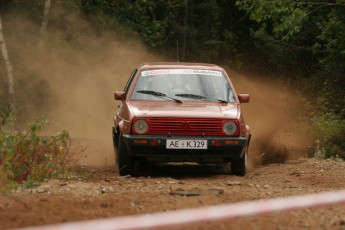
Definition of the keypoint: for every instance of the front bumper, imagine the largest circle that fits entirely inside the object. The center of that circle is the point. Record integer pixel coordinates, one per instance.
(153, 148)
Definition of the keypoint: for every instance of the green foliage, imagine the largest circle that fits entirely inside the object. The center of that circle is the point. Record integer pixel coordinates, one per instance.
(329, 133)
(204, 29)
(281, 18)
(5, 113)
(305, 41)
(27, 157)
(330, 49)
(143, 16)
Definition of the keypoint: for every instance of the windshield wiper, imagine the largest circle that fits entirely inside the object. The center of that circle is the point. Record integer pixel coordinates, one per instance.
(191, 96)
(195, 96)
(215, 99)
(158, 94)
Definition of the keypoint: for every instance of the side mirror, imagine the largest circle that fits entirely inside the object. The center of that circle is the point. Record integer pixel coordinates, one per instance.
(243, 98)
(120, 95)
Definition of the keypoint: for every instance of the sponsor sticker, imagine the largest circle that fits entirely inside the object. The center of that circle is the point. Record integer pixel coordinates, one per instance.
(180, 71)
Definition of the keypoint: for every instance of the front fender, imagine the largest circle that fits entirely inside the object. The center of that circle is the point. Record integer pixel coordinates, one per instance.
(124, 127)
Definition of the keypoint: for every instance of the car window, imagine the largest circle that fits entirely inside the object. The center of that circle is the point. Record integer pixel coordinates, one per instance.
(129, 82)
(183, 84)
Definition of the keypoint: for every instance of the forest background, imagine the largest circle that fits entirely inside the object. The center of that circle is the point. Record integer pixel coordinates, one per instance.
(298, 43)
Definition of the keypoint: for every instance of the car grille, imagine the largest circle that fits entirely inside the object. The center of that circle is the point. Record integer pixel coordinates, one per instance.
(189, 127)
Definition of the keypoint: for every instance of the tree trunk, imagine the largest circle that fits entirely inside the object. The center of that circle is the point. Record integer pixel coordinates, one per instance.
(45, 16)
(185, 30)
(9, 68)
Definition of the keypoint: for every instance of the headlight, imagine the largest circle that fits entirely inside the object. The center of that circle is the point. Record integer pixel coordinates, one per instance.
(141, 126)
(230, 127)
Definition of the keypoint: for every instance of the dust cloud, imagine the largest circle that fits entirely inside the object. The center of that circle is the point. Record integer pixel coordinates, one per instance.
(69, 74)
(276, 117)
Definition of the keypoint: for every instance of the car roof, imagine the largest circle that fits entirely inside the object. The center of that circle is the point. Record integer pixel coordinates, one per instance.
(150, 65)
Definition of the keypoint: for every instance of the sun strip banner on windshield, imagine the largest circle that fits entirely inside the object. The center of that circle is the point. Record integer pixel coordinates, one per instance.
(180, 71)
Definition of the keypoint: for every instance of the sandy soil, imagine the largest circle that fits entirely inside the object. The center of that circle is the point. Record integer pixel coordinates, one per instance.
(105, 194)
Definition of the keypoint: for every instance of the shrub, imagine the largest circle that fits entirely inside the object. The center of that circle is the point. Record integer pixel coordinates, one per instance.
(330, 136)
(5, 112)
(28, 157)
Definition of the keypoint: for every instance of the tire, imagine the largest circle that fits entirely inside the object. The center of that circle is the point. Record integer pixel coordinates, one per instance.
(239, 166)
(115, 139)
(124, 162)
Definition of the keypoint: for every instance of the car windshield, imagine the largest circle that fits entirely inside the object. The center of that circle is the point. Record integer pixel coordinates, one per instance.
(183, 85)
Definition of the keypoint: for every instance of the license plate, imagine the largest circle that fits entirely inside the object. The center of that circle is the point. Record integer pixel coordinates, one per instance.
(186, 144)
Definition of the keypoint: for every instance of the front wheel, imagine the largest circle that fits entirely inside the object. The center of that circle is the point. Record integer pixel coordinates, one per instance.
(115, 139)
(124, 162)
(239, 166)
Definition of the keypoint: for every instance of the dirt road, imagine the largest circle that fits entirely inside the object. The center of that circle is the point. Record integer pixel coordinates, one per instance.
(105, 194)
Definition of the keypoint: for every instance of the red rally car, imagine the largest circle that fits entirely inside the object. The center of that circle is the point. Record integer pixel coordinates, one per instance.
(180, 112)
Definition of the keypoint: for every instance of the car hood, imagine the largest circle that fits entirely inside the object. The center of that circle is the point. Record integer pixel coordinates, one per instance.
(185, 109)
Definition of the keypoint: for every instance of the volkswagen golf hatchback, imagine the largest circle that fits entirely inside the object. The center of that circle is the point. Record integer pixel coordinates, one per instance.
(180, 112)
